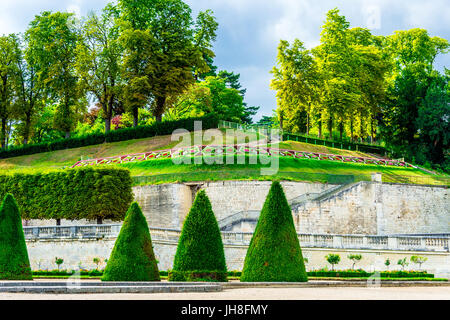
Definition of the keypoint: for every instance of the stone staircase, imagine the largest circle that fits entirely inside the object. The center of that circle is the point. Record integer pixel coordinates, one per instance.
(253, 215)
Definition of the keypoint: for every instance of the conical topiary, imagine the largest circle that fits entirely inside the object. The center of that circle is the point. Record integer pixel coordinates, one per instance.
(274, 253)
(132, 258)
(200, 255)
(14, 262)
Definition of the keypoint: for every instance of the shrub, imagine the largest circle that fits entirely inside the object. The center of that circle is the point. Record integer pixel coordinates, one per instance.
(355, 258)
(200, 246)
(59, 261)
(83, 193)
(132, 258)
(418, 260)
(158, 128)
(14, 262)
(333, 259)
(274, 253)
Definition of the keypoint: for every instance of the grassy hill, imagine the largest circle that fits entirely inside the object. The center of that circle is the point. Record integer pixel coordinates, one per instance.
(164, 170)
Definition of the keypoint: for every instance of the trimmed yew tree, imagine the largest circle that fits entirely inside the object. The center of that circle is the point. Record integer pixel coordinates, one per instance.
(274, 254)
(14, 261)
(132, 258)
(200, 255)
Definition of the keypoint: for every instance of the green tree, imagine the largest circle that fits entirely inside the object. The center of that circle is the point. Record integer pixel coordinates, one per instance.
(355, 258)
(98, 61)
(211, 96)
(418, 260)
(132, 258)
(28, 90)
(274, 253)
(403, 263)
(59, 262)
(175, 45)
(53, 37)
(9, 54)
(297, 82)
(200, 248)
(14, 262)
(387, 263)
(333, 259)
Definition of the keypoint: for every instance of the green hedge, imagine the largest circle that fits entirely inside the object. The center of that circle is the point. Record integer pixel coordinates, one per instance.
(274, 253)
(335, 144)
(198, 275)
(200, 245)
(14, 261)
(73, 194)
(364, 274)
(156, 129)
(132, 258)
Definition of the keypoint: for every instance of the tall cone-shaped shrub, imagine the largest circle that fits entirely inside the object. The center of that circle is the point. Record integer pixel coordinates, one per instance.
(132, 258)
(200, 255)
(274, 253)
(14, 262)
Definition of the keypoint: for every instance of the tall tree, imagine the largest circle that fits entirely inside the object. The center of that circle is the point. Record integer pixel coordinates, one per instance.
(28, 90)
(296, 80)
(53, 37)
(98, 62)
(178, 46)
(9, 51)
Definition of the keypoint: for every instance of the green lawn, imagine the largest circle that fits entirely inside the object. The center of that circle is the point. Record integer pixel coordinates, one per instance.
(165, 171)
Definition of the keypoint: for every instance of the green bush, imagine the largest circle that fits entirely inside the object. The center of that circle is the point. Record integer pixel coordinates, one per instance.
(364, 274)
(192, 276)
(132, 258)
(73, 194)
(14, 262)
(200, 246)
(156, 129)
(274, 254)
(336, 144)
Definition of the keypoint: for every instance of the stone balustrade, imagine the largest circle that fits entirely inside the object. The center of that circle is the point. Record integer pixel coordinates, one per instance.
(413, 243)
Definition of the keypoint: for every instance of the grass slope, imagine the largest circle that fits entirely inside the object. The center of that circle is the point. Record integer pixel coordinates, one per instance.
(164, 171)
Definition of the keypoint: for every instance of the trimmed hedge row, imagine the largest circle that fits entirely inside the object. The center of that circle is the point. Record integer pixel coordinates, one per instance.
(336, 144)
(73, 194)
(156, 129)
(365, 274)
(198, 275)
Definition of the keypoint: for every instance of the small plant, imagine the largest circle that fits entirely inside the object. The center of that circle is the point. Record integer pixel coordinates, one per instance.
(355, 258)
(97, 261)
(333, 259)
(418, 260)
(59, 261)
(305, 260)
(387, 263)
(403, 263)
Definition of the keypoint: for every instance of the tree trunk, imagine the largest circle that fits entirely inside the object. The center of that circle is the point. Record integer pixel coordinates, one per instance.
(307, 123)
(160, 102)
(351, 130)
(67, 134)
(135, 116)
(330, 127)
(99, 220)
(26, 132)
(58, 222)
(3, 134)
(107, 125)
(320, 129)
(341, 130)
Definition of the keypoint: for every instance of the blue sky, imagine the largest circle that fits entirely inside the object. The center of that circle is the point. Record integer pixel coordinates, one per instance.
(250, 30)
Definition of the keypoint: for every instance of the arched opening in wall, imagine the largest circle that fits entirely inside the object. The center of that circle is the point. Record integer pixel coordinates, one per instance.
(195, 187)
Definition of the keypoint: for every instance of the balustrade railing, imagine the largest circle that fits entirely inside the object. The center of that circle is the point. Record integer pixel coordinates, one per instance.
(414, 243)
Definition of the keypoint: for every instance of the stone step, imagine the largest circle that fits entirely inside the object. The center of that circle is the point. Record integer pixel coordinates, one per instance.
(86, 288)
